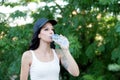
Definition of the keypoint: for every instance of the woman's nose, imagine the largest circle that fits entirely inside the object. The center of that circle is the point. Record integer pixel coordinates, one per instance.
(51, 31)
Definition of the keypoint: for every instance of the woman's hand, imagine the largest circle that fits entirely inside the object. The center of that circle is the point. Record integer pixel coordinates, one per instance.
(62, 41)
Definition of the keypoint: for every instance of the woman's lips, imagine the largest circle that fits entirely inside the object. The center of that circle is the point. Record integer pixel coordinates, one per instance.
(50, 37)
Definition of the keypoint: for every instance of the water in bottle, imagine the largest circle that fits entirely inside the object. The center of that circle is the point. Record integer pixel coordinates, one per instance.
(60, 39)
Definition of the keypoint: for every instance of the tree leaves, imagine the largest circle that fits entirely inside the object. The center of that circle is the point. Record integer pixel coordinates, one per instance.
(106, 2)
(75, 46)
(17, 14)
(116, 55)
(117, 27)
(90, 51)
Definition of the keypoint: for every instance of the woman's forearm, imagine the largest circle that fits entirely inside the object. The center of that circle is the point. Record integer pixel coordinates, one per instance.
(69, 63)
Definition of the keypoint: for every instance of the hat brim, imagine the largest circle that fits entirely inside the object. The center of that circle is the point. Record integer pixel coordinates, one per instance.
(53, 22)
(41, 22)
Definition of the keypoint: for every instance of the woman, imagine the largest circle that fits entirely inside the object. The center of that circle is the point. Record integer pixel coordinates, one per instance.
(42, 60)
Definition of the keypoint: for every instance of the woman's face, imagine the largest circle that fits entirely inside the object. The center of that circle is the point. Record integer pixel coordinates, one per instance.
(46, 32)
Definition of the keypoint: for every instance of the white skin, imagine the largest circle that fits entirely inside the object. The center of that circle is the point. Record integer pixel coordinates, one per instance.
(44, 53)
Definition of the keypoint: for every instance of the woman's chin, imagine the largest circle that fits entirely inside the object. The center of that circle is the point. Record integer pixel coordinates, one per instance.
(50, 41)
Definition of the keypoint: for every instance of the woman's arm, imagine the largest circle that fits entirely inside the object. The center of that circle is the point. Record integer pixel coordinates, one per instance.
(66, 58)
(69, 63)
(25, 65)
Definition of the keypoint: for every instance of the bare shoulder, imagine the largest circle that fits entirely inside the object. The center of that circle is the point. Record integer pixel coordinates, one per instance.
(27, 54)
(27, 57)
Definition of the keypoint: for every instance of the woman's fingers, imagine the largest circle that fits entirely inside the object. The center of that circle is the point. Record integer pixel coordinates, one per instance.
(61, 40)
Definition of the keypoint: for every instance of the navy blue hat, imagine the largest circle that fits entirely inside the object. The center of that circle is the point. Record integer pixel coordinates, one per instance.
(41, 22)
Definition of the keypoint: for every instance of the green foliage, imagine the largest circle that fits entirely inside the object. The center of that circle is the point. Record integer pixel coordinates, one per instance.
(17, 14)
(13, 44)
(114, 67)
(92, 27)
(116, 55)
(118, 27)
(105, 2)
(91, 77)
(75, 46)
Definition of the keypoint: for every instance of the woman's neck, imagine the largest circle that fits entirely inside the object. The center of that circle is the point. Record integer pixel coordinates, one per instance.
(44, 47)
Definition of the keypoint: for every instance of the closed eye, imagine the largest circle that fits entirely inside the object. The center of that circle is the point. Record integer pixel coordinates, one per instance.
(46, 29)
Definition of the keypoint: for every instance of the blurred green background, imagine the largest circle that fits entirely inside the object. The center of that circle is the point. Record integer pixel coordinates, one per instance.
(92, 27)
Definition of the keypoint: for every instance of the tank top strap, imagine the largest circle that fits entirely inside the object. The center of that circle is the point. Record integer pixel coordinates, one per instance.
(55, 55)
(33, 55)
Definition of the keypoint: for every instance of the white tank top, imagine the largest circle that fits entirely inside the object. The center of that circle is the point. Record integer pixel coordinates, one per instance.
(44, 70)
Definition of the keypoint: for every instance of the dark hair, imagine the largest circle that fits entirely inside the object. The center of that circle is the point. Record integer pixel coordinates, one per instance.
(35, 42)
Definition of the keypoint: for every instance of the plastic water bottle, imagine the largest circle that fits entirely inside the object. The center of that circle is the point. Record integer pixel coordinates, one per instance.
(60, 39)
